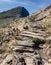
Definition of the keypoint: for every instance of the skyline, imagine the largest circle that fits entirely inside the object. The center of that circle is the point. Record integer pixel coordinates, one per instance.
(31, 5)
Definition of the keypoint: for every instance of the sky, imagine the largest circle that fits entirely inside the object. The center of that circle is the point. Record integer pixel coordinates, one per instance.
(31, 5)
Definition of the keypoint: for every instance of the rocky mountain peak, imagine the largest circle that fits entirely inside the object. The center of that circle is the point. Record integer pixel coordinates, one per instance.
(15, 12)
(21, 11)
(12, 14)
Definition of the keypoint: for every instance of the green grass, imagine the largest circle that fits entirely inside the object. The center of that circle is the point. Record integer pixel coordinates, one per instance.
(5, 21)
(39, 41)
(48, 41)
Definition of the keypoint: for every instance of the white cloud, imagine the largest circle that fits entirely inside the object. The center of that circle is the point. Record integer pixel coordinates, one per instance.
(5, 0)
(27, 3)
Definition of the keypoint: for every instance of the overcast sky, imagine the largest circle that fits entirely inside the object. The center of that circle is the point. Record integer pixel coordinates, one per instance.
(31, 5)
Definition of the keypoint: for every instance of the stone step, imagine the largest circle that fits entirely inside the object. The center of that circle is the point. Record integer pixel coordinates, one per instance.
(25, 42)
(29, 61)
(23, 49)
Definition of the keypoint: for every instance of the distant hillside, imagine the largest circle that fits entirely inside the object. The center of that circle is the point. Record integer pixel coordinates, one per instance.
(13, 13)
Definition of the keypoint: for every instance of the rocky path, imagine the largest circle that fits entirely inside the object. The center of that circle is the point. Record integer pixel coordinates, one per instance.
(29, 61)
(35, 35)
(30, 34)
(20, 50)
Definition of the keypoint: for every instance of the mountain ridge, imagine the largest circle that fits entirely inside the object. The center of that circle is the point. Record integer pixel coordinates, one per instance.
(42, 13)
(12, 14)
(18, 11)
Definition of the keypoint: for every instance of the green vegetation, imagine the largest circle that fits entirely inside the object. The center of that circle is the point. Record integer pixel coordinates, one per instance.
(48, 41)
(5, 21)
(38, 41)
